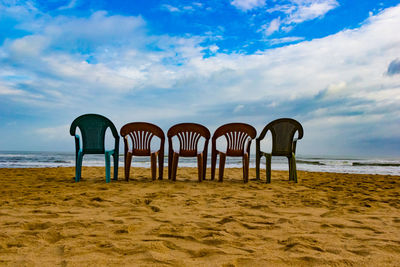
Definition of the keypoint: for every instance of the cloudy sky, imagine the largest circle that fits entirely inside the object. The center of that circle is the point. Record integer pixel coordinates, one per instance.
(333, 65)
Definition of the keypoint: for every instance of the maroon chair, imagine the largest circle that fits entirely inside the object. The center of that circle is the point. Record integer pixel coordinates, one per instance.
(141, 134)
(238, 137)
(189, 135)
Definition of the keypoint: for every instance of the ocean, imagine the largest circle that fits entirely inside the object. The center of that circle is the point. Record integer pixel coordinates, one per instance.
(387, 166)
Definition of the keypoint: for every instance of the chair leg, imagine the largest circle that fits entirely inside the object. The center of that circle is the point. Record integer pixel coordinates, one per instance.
(213, 164)
(290, 169)
(246, 168)
(128, 161)
(153, 165)
(243, 167)
(116, 161)
(268, 167)
(175, 160)
(107, 157)
(170, 165)
(160, 165)
(294, 168)
(222, 158)
(204, 165)
(258, 161)
(200, 166)
(78, 166)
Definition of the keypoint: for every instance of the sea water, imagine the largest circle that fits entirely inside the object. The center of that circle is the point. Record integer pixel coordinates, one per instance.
(390, 166)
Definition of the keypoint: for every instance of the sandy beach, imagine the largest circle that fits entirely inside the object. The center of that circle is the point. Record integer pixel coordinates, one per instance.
(326, 219)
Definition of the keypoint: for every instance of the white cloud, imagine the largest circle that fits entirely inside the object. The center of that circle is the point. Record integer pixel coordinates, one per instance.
(285, 40)
(272, 27)
(186, 8)
(298, 11)
(246, 5)
(18, 9)
(213, 48)
(341, 77)
(311, 9)
(180, 61)
(70, 5)
(238, 108)
(59, 133)
(9, 91)
(336, 88)
(170, 8)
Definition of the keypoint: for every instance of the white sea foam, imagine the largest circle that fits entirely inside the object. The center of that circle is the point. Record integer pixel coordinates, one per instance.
(315, 164)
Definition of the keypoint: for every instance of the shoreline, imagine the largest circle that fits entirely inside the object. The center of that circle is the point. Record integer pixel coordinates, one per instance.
(251, 170)
(330, 164)
(325, 219)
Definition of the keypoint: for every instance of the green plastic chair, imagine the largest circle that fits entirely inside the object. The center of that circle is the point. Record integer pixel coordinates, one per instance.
(93, 128)
(283, 144)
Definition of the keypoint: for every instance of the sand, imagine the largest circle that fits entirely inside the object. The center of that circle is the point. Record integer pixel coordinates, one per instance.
(326, 219)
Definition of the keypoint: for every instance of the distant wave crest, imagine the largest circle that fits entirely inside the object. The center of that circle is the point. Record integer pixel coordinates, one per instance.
(376, 164)
(310, 162)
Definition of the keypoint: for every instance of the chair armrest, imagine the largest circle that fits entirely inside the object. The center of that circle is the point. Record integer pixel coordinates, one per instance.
(221, 153)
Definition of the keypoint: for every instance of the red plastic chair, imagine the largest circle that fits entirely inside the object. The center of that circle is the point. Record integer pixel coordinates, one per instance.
(238, 137)
(189, 135)
(141, 134)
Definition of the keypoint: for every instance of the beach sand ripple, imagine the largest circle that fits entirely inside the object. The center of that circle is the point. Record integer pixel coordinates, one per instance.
(326, 219)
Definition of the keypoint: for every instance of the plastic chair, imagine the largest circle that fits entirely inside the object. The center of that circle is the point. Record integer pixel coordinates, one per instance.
(189, 135)
(283, 144)
(93, 128)
(238, 137)
(141, 134)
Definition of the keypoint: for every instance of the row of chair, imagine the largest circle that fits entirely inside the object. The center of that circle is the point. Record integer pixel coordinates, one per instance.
(140, 134)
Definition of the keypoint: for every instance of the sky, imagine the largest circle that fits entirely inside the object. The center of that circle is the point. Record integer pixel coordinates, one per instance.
(332, 65)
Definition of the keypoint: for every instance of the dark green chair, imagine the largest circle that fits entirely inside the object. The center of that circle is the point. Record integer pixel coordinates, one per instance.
(93, 128)
(283, 144)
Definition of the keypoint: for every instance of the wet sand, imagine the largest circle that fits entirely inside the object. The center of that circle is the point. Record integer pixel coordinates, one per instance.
(326, 219)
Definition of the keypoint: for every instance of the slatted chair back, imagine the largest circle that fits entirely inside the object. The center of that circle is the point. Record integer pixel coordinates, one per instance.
(189, 135)
(141, 135)
(283, 131)
(237, 136)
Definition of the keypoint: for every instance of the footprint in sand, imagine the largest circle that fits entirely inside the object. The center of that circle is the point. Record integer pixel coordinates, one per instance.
(226, 220)
(36, 225)
(155, 208)
(52, 236)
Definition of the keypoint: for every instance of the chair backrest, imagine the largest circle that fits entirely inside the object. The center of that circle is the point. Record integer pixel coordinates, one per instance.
(141, 134)
(282, 131)
(237, 136)
(189, 135)
(93, 128)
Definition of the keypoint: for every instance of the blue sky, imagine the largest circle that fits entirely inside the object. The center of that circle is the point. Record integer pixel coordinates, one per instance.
(332, 65)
